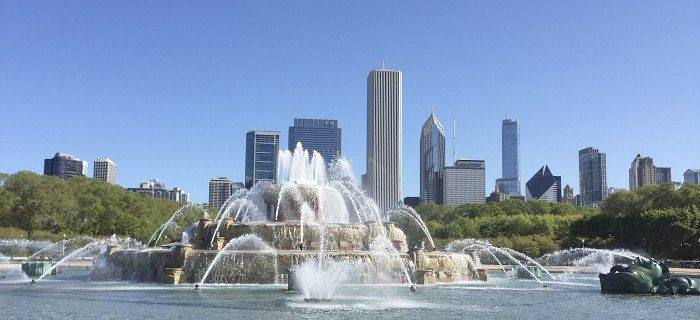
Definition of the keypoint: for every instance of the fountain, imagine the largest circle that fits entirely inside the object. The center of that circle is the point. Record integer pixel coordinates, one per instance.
(316, 223)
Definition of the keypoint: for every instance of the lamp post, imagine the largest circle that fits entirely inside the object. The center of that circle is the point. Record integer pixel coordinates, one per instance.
(583, 244)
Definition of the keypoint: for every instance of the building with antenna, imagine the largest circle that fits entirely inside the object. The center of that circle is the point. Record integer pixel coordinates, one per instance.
(510, 159)
(432, 160)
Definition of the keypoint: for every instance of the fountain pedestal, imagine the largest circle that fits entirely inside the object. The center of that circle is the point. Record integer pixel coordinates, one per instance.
(219, 243)
(482, 274)
(425, 277)
(172, 276)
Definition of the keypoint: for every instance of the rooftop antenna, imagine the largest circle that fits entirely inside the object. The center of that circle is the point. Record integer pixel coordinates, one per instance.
(506, 109)
(454, 152)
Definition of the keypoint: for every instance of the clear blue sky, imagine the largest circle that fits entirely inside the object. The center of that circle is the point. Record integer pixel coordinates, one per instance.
(167, 89)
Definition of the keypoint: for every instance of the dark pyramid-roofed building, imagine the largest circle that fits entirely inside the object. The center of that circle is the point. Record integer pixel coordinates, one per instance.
(544, 186)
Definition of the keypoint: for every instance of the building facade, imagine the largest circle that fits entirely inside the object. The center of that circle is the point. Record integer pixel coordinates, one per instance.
(544, 186)
(432, 160)
(321, 135)
(642, 172)
(465, 182)
(568, 196)
(510, 158)
(105, 169)
(156, 189)
(663, 175)
(593, 180)
(384, 128)
(64, 166)
(261, 157)
(497, 196)
(692, 175)
(220, 189)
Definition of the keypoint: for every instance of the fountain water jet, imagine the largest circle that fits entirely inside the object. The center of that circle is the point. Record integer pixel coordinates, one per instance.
(327, 213)
(481, 244)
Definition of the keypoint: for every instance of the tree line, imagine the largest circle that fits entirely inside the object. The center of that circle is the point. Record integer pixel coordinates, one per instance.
(45, 207)
(662, 220)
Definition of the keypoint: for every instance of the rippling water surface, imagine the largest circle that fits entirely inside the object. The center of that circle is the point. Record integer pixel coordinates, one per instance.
(70, 295)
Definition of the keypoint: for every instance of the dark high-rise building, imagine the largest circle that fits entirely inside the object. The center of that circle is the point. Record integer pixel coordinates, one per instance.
(64, 166)
(510, 158)
(321, 135)
(432, 160)
(592, 175)
(261, 157)
(544, 186)
(384, 115)
(411, 201)
(663, 175)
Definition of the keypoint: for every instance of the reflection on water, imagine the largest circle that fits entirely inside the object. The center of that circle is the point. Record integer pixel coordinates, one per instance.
(577, 296)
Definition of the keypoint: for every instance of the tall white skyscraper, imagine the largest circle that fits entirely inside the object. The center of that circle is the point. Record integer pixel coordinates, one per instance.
(105, 170)
(432, 160)
(384, 105)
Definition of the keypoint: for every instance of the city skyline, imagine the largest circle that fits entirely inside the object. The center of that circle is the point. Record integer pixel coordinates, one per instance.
(573, 75)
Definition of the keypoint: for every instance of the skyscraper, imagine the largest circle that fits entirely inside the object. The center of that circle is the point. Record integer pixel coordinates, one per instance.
(321, 135)
(663, 175)
(510, 158)
(64, 166)
(384, 105)
(692, 175)
(432, 160)
(220, 189)
(465, 182)
(105, 169)
(592, 177)
(544, 186)
(642, 172)
(261, 157)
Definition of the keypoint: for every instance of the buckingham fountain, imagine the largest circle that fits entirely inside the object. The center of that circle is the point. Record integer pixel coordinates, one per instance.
(313, 230)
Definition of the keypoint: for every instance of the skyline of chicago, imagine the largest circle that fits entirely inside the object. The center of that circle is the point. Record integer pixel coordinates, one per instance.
(171, 96)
